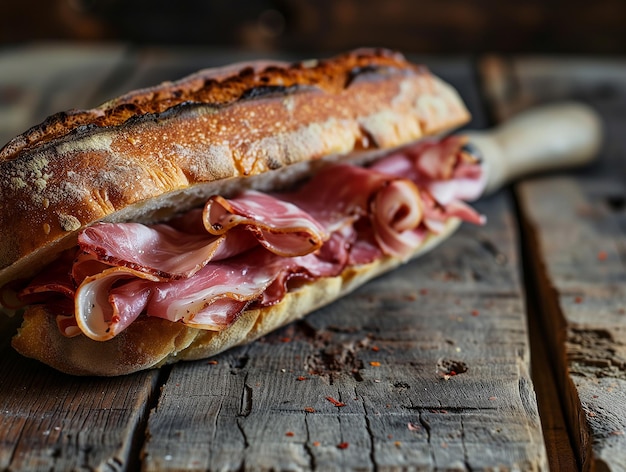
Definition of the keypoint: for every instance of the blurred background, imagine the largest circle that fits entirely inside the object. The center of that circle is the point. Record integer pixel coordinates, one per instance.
(413, 26)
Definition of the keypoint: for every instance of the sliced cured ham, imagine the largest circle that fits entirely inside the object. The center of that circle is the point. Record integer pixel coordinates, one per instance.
(212, 299)
(280, 226)
(95, 315)
(345, 194)
(205, 267)
(159, 250)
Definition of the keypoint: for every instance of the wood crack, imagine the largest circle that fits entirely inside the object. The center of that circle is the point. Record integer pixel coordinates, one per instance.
(245, 406)
(466, 459)
(246, 443)
(547, 328)
(370, 432)
(307, 444)
(426, 425)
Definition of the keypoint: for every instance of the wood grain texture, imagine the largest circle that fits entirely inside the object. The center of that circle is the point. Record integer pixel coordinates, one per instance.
(50, 421)
(430, 362)
(575, 226)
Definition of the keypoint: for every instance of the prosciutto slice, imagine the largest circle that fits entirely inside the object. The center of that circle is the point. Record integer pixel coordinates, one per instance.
(108, 302)
(345, 194)
(280, 226)
(210, 300)
(158, 250)
(446, 176)
(205, 267)
(95, 316)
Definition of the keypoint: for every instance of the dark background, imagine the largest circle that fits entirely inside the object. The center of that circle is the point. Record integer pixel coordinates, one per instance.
(413, 26)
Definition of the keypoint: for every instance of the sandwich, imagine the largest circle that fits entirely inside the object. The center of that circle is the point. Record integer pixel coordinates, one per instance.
(177, 221)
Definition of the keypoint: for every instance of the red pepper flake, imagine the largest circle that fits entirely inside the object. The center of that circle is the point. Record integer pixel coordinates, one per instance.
(301, 378)
(375, 348)
(578, 300)
(493, 398)
(390, 436)
(213, 362)
(316, 443)
(289, 434)
(285, 339)
(602, 255)
(337, 403)
(343, 445)
(375, 364)
(309, 409)
(424, 291)
(475, 312)
(411, 297)
(397, 443)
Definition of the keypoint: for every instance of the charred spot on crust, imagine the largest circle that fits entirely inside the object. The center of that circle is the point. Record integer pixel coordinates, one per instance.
(368, 72)
(83, 128)
(246, 72)
(262, 91)
(248, 82)
(122, 112)
(209, 82)
(268, 90)
(273, 164)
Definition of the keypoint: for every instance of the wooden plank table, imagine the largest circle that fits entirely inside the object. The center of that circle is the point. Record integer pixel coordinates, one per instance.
(432, 362)
(574, 229)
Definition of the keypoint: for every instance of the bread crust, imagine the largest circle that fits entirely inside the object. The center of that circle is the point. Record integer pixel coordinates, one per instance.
(158, 151)
(153, 342)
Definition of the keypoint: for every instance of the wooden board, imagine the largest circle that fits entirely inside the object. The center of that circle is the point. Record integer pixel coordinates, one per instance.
(49, 420)
(431, 362)
(575, 228)
(389, 352)
(420, 320)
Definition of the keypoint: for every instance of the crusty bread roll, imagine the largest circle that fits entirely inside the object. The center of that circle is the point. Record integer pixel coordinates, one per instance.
(153, 153)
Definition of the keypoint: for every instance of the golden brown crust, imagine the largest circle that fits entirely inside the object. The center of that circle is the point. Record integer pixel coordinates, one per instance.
(153, 152)
(152, 342)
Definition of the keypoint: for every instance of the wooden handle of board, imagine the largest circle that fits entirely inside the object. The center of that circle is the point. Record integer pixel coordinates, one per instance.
(544, 138)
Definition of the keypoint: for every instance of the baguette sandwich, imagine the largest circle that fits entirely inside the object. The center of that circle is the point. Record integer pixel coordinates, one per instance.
(175, 222)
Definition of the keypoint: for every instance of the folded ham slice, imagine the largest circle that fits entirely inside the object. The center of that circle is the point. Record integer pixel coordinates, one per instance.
(279, 226)
(107, 302)
(204, 268)
(159, 250)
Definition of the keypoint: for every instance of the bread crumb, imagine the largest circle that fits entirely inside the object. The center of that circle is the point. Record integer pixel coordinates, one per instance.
(17, 183)
(69, 222)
